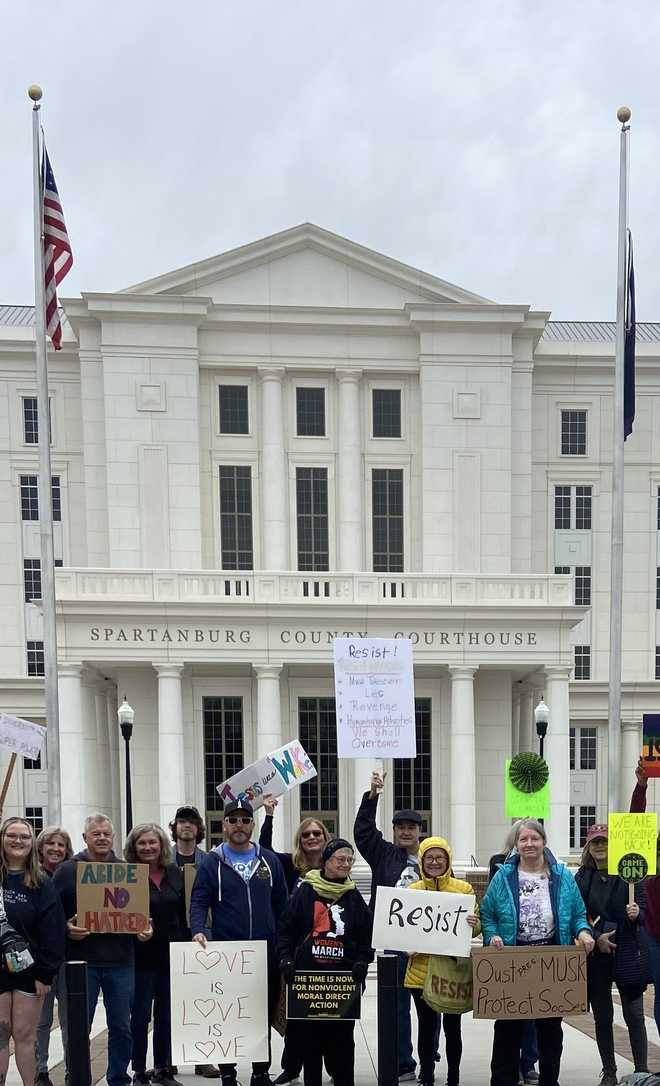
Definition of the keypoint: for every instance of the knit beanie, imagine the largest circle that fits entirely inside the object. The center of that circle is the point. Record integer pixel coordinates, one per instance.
(332, 847)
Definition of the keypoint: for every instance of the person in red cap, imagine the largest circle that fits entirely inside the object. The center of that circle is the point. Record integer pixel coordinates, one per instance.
(620, 954)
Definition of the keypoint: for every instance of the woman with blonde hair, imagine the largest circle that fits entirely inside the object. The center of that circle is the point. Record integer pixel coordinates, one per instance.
(53, 848)
(31, 944)
(148, 843)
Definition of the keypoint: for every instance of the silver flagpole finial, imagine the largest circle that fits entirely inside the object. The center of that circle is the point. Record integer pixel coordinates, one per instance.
(623, 114)
(35, 92)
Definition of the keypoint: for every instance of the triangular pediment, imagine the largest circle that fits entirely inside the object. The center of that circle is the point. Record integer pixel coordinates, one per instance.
(306, 266)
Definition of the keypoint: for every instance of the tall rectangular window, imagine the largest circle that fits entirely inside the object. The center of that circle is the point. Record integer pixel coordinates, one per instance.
(580, 820)
(35, 657)
(236, 517)
(582, 662)
(312, 518)
(386, 405)
(57, 498)
(31, 579)
(562, 507)
(222, 719)
(387, 519)
(310, 412)
(588, 739)
(317, 731)
(412, 777)
(583, 585)
(35, 816)
(234, 416)
(29, 497)
(657, 588)
(31, 421)
(583, 507)
(657, 661)
(574, 433)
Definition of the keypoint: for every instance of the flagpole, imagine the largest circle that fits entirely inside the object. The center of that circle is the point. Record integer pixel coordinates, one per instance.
(45, 485)
(616, 557)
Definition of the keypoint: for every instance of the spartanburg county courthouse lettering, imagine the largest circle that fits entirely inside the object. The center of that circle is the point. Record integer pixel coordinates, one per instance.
(216, 635)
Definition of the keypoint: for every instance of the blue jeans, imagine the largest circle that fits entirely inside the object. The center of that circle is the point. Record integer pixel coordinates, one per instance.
(152, 988)
(406, 1058)
(529, 1050)
(654, 958)
(116, 983)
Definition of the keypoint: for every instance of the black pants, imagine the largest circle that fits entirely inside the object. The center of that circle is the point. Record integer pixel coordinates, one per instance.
(152, 989)
(292, 1059)
(427, 1039)
(600, 971)
(507, 1038)
(331, 1042)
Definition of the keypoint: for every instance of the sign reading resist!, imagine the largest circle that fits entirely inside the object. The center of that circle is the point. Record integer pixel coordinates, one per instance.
(423, 921)
(219, 1002)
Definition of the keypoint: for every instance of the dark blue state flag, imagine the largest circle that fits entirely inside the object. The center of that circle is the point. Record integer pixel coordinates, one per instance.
(629, 346)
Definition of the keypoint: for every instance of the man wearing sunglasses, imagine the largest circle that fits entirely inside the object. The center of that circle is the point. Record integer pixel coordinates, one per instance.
(243, 885)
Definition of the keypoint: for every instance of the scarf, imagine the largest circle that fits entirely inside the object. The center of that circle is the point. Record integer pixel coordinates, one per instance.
(325, 888)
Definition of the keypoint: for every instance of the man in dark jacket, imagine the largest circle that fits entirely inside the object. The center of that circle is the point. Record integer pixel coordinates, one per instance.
(109, 957)
(243, 885)
(392, 864)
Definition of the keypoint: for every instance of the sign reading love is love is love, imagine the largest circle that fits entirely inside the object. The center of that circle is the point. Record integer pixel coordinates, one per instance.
(219, 1002)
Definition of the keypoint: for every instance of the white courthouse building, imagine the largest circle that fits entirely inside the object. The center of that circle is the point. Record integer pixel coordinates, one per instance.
(302, 438)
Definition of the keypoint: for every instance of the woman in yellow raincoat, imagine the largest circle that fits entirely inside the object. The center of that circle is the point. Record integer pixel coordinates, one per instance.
(435, 865)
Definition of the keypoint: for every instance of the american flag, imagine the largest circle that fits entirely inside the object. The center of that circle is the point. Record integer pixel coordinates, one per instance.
(58, 258)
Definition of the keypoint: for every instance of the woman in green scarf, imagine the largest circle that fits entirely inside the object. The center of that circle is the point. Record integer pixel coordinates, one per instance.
(326, 928)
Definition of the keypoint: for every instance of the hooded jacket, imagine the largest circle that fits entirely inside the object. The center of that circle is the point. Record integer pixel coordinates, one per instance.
(386, 860)
(417, 966)
(500, 906)
(239, 909)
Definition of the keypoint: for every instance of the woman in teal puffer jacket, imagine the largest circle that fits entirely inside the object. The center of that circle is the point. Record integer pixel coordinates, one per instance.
(532, 900)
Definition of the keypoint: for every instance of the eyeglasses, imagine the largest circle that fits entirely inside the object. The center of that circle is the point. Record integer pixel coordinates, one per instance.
(430, 862)
(232, 819)
(23, 839)
(311, 833)
(345, 861)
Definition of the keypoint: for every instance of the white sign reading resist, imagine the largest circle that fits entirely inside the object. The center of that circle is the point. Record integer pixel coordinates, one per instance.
(219, 1002)
(423, 921)
(375, 698)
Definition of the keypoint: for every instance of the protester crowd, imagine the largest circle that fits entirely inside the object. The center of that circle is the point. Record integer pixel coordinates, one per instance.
(308, 910)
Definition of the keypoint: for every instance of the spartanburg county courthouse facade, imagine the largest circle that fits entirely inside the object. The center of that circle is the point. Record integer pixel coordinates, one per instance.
(303, 438)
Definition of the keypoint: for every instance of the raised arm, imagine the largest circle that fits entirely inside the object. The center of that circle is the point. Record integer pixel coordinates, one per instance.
(368, 838)
(638, 798)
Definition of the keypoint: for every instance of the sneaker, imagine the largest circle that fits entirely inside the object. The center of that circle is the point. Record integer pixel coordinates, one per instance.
(207, 1070)
(531, 1077)
(286, 1077)
(140, 1078)
(42, 1078)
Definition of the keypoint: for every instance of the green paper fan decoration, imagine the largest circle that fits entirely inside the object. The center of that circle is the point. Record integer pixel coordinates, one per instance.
(528, 772)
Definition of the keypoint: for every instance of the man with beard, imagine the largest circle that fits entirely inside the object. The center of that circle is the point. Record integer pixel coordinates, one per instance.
(392, 864)
(244, 887)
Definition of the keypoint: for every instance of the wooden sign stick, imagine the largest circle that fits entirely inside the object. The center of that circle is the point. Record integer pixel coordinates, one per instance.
(631, 893)
(7, 782)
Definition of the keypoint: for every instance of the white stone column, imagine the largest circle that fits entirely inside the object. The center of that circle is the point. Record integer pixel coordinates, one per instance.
(269, 726)
(526, 735)
(349, 473)
(104, 798)
(462, 765)
(274, 489)
(112, 724)
(631, 748)
(171, 775)
(557, 755)
(515, 719)
(92, 773)
(72, 755)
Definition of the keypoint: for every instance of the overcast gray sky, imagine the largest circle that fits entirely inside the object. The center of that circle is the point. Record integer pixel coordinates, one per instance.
(475, 140)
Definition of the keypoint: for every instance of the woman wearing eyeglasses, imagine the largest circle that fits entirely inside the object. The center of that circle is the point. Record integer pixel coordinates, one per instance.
(327, 928)
(310, 839)
(435, 863)
(31, 944)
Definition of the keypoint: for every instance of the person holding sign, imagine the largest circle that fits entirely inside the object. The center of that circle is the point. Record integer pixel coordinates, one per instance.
(620, 955)
(532, 900)
(243, 886)
(327, 927)
(31, 944)
(652, 891)
(435, 859)
(148, 844)
(392, 864)
(53, 848)
(109, 956)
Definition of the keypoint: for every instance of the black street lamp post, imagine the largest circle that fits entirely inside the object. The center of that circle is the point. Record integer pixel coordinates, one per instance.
(541, 718)
(126, 717)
